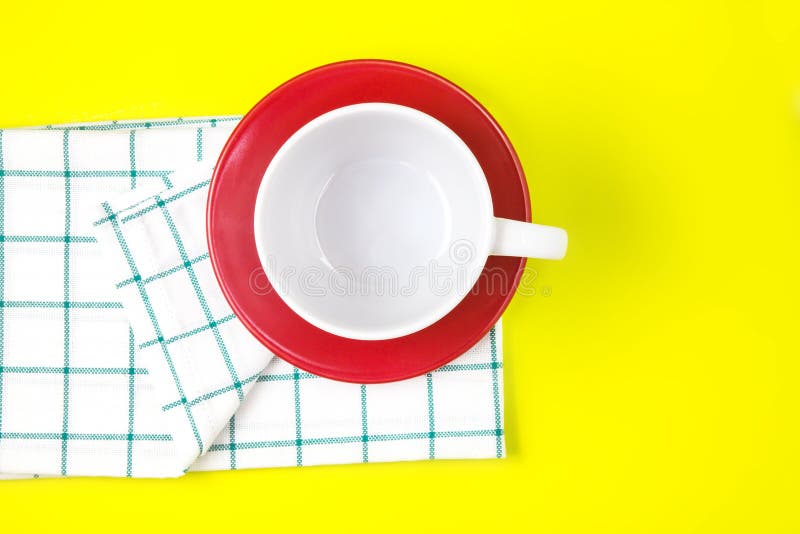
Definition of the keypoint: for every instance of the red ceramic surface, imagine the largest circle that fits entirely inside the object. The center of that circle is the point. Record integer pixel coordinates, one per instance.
(235, 184)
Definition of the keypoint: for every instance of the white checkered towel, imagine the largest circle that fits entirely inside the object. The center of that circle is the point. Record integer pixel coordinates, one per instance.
(119, 355)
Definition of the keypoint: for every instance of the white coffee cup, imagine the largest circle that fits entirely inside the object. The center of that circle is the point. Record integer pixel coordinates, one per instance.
(373, 221)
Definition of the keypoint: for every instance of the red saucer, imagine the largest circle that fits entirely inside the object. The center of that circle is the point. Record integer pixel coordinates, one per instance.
(232, 195)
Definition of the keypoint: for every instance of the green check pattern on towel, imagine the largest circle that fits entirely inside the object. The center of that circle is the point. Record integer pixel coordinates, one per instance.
(119, 356)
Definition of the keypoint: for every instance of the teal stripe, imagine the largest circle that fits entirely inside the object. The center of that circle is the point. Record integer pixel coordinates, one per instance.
(164, 274)
(67, 228)
(364, 428)
(208, 396)
(298, 423)
(245, 445)
(496, 394)
(280, 377)
(286, 376)
(103, 173)
(84, 437)
(100, 305)
(374, 438)
(165, 200)
(199, 144)
(100, 371)
(469, 367)
(151, 124)
(153, 204)
(431, 420)
(2, 275)
(131, 394)
(132, 157)
(46, 238)
(189, 333)
(154, 321)
(232, 441)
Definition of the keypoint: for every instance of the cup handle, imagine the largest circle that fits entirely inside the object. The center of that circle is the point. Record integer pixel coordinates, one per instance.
(528, 240)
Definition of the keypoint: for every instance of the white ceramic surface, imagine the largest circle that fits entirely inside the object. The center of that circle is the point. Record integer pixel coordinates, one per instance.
(374, 221)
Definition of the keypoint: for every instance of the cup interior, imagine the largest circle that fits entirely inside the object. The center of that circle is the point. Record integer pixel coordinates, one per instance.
(373, 221)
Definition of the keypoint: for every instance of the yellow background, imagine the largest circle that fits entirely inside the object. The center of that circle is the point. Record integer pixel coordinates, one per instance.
(654, 390)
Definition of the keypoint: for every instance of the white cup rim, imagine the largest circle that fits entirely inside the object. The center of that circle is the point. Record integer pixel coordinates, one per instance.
(481, 240)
